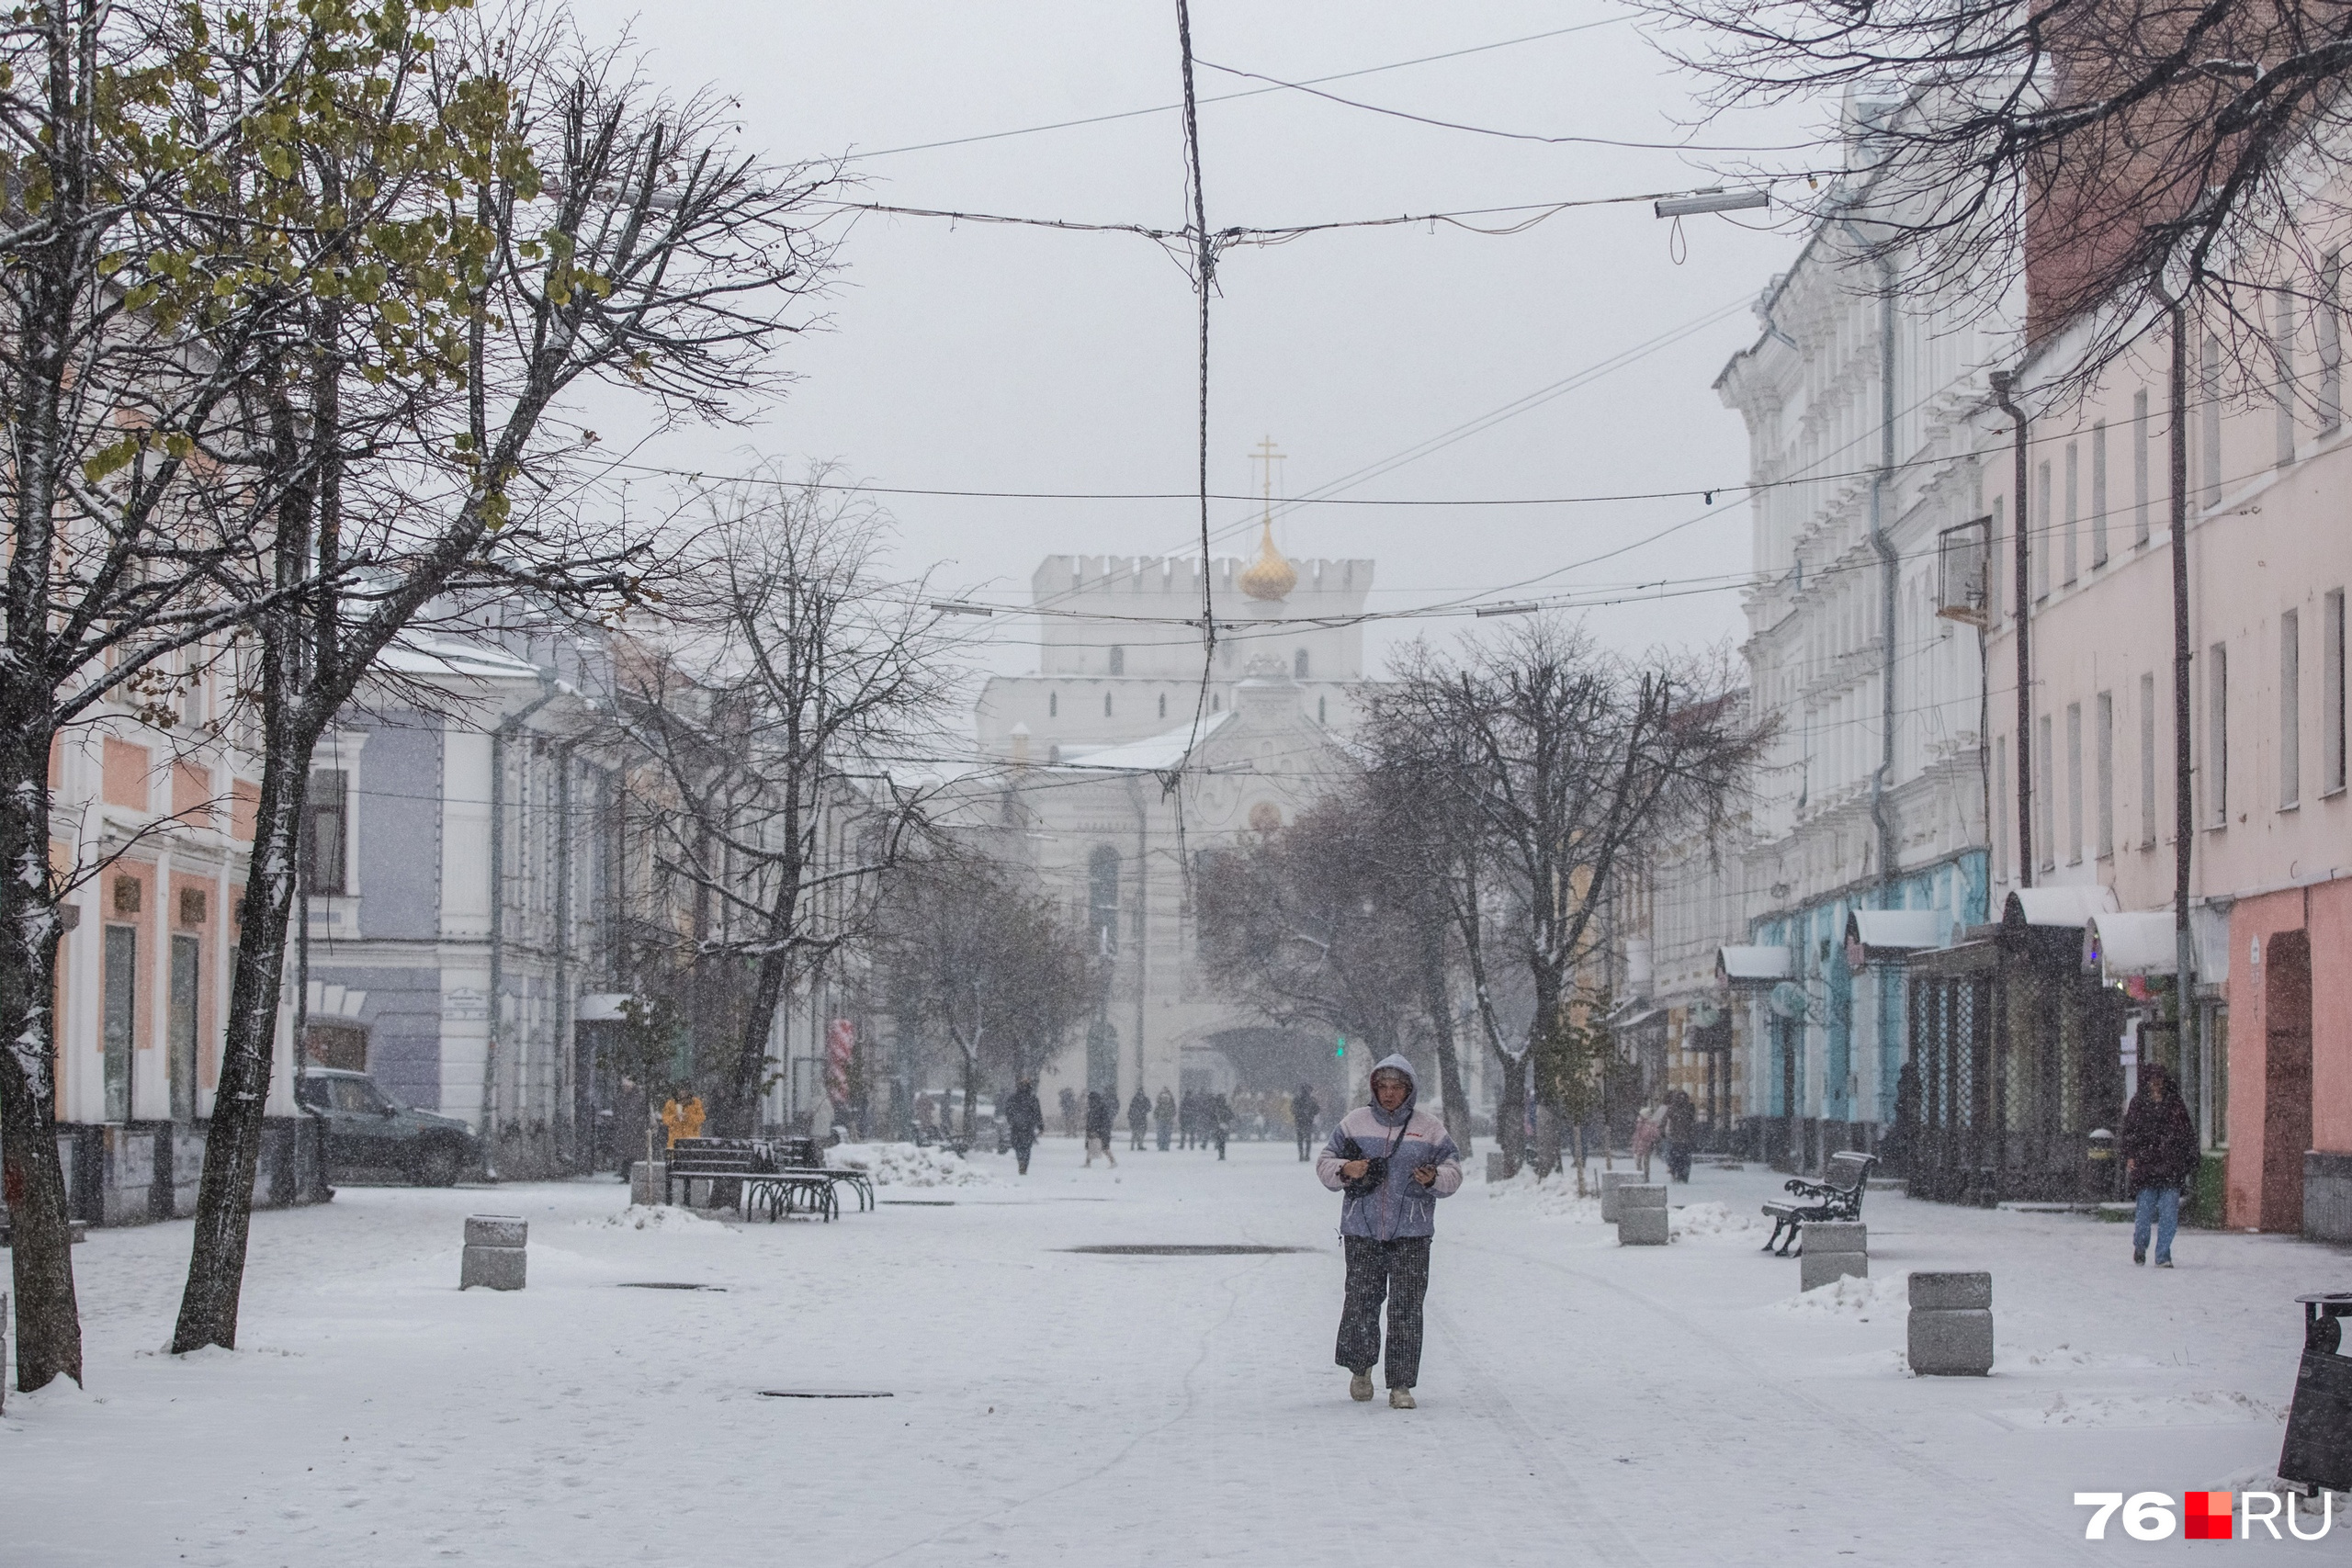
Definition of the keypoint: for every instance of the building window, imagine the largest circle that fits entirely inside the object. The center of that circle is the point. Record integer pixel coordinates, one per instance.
(2074, 783)
(326, 832)
(2208, 392)
(1321, 716)
(2331, 690)
(2041, 531)
(2001, 807)
(2098, 495)
(186, 963)
(1118, 660)
(2106, 774)
(2140, 466)
(2074, 507)
(1298, 665)
(1053, 704)
(2148, 761)
(1103, 897)
(2217, 734)
(2282, 354)
(2330, 342)
(2045, 828)
(1163, 704)
(2291, 709)
(118, 1007)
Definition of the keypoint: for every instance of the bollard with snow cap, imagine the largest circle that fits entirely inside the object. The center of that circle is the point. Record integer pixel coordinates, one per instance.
(495, 1252)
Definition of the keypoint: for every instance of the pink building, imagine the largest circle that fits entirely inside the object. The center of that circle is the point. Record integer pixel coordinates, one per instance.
(2269, 549)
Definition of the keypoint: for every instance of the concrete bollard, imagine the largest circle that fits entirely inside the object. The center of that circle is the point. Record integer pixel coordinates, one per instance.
(646, 1181)
(1641, 1215)
(1951, 1330)
(496, 1250)
(1833, 1250)
(1611, 1182)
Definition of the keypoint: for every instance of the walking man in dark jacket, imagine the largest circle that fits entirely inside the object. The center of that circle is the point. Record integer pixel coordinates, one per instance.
(1394, 1162)
(1220, 1116)
(1024, 1120)
(1098, 1126)
(2159, 1154)
(1303, 1112)
(1138, 1116)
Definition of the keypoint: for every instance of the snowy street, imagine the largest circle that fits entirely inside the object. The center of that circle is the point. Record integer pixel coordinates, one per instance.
(1579, 1401)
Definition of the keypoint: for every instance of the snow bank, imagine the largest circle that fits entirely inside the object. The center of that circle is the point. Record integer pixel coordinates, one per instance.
(1852, 1296)
(1699, 1220)
(658, 1217)
(1554, 1195)
(2210, 1407)
(907, 1164)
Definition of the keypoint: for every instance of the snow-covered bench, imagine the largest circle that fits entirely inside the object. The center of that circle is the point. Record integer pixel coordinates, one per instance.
(761, 1179)
(1838, 1198)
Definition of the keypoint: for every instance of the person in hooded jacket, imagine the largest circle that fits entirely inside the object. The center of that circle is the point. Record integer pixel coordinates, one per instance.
(2159, 1148)
(1099, 1105)
(1138, 1116)
(1405, 1162)
(1024, 1120)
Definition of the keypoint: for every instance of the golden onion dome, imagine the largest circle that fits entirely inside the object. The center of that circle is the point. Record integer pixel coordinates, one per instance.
(1269, 577)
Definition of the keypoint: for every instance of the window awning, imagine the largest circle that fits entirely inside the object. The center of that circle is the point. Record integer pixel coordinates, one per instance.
(1749, 968)
(1884, 934)
(2069, 906)
(2138, 942)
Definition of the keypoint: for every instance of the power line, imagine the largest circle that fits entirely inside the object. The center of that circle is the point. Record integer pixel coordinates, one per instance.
(1247, 93)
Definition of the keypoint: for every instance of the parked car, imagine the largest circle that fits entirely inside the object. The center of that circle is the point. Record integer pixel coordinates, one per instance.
(369, 1131)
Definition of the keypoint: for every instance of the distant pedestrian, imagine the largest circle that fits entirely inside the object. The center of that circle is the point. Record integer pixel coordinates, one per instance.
(1188, 1118)
(1138, 1116)
(1024, 1120)
(1682, 1134)
(1394, 1162)
(1220, 1121)
(1069, 1111)
(1163, 1115)
(2159, 1155)
(1648, 1128)
(1303, 1112)
(1098, 1127)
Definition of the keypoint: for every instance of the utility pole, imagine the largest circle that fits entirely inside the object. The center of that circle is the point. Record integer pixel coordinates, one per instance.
(2004, 383)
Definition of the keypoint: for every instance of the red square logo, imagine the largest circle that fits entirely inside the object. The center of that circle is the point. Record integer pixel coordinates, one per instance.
(2207, 1515)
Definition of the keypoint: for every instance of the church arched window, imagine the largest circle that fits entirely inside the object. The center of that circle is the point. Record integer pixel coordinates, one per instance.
(1118, 661)
(1298, 665)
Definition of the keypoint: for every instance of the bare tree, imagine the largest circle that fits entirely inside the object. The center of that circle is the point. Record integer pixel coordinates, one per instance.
(802, 682)
(2129, 154)
(971, 949)
(1562, 759)
(1305, 925)
(617, 238)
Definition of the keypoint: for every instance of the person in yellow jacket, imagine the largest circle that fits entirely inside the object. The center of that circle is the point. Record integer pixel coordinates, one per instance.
(682, 1121)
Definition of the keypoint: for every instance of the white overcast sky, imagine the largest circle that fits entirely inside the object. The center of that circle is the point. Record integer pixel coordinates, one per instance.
(996, 358)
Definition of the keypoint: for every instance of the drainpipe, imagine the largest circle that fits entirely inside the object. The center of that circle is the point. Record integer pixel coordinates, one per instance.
(2184, 813)
(1889, 572)
(495, 1025)
(2004, 383)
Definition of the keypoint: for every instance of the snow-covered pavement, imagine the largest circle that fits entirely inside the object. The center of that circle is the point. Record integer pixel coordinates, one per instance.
(1579, 1401)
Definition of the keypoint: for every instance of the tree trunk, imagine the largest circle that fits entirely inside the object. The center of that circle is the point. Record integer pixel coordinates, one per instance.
(49, 1323)
(971, 1085)
(233, 1148)
(747, 1079)
(1510, 1108)
(1438, 1000)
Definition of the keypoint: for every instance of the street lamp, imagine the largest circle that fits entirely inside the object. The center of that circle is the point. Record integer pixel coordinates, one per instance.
(1713, 199)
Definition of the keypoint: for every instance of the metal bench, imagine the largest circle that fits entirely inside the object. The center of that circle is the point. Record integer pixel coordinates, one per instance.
(805, 1154)
(773, 1176)
(1838, 1198)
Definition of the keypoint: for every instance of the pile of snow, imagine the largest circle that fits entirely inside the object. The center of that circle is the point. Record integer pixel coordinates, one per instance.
(1851, 1296)
(907, 1164)
(658, 1217)
(1706, 1220)
(2066, 1356)
(2212, 1407)
(1554, 1195)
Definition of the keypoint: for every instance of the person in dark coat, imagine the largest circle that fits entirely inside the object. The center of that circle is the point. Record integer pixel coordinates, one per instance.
(1303, 1113)
(1138, 1116)
(1024, 1120)
(1188, 1118)
(1221, 1119)
(1682, 1134)
(1070, 1112)
(1099, 1110)
(1163, 1113)
(2159, 1154)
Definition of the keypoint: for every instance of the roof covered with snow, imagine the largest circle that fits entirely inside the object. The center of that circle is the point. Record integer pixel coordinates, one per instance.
(1153, 754)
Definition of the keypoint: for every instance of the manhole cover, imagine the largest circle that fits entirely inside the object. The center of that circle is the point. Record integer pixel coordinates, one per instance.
(666, 1285)
(1160, 1250)
(918, 1202)
(826, 1393)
